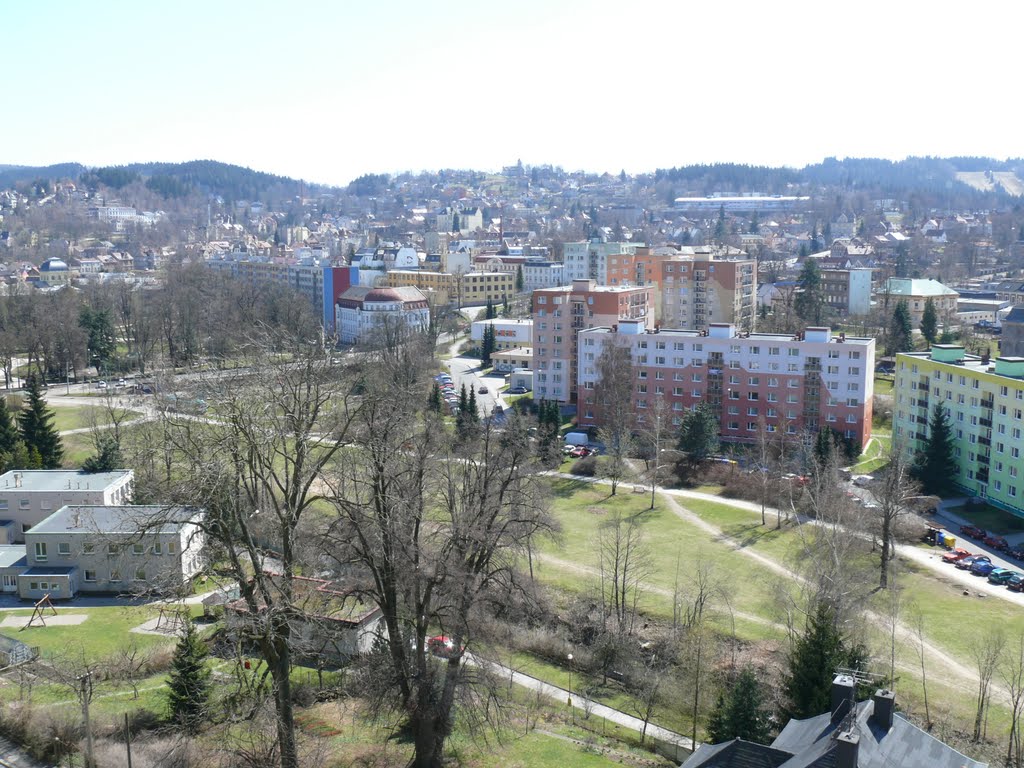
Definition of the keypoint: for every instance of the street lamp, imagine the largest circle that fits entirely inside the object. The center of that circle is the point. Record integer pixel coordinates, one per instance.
(571, 710)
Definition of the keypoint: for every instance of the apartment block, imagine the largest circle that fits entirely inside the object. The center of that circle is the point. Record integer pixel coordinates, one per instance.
(984, 400)
(605, 263)
(790, 383)
(847, 291)
(560, 314)
(699, 291)
(543, 274)
(472, 289)
(28, 496)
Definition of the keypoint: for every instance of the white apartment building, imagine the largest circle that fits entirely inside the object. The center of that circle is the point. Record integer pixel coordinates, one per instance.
(28, 496)
(593, 259)
(543, 274)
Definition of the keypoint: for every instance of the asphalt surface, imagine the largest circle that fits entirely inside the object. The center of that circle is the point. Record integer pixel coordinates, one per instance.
(466, 370)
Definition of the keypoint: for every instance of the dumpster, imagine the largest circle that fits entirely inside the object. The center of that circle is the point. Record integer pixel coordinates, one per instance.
(950, 540)
(940, 538)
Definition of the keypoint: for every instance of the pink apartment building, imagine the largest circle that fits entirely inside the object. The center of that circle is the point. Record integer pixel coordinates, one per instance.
(792, 383)
(560, 314)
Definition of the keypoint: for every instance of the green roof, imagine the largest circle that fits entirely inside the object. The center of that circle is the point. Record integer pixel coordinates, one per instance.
(910, 286)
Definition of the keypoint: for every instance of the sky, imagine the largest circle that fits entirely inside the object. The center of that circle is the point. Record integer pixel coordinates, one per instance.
(327, 91)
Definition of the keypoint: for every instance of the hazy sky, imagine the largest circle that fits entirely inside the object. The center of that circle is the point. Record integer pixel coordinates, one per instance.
(330, 90)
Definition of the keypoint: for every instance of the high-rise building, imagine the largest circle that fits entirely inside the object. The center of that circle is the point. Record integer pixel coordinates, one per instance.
(790, 383)
(699, 290)
(984, 401)
(605, 263)
(847, 291)
(559, 314)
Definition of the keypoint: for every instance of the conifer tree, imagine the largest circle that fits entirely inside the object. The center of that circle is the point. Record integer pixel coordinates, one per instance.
(929, 322)
(10, 441)
(38, 432)
(520, 280)
(813, 662)
(434, 402)
(740, 712)
(809, 303)
(189, 684)
(935, 466)
(901, 330)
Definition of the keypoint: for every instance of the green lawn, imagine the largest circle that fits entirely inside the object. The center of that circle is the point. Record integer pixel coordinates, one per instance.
(990, 518)
(884, 385)
(83, 416)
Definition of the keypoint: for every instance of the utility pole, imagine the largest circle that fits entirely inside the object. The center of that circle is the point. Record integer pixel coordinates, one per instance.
(86, 694)
(128, 739)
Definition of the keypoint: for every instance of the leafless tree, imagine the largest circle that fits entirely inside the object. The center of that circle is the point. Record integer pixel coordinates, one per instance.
(624, 563)
(614, 400)
(256, 471)
(917, 623)
(892, 492)
(656, 433)
(645, 691)
(987, 654)
(429, 530)
(1011, 671)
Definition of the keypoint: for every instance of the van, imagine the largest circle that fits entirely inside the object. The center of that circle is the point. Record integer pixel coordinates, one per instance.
(577, 438)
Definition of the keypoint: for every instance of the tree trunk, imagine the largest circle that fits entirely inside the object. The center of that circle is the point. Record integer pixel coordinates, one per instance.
(280, 669)
(883, 577)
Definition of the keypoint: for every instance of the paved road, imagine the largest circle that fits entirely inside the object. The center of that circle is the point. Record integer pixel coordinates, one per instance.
(582, 704)
(466, 370)
(12, 757)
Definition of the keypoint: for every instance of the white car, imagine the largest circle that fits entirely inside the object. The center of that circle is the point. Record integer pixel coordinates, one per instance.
(101, 385)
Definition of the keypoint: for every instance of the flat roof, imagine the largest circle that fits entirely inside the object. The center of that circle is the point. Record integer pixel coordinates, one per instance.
(61, 479)
(692, 333)
(52, 570)
(128, 519)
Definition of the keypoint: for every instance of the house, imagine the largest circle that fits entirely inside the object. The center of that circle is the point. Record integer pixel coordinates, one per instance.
(28, 496)
(334, 624)
(103, 549)
(916, 292)
(867, 734)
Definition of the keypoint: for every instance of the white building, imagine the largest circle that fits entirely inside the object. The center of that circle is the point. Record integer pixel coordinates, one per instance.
(29, 496)
(508, 333)
(591, 260)
(543, 274)
(361, 310)
(124, 548)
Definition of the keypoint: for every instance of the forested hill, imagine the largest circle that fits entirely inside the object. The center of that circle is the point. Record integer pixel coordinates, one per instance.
(170, 180)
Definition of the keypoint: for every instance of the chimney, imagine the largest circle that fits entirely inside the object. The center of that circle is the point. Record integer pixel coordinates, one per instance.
(985, 357)
(885, 704)
(17, 479)
(842, 697)
(847, 746)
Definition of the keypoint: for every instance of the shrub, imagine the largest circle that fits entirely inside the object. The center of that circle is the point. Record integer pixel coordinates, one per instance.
(585, 467)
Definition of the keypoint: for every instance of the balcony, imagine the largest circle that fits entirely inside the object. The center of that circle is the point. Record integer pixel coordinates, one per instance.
(984, 441)
(988, 404)
(981, 475)
(985, 422)
(983, 459)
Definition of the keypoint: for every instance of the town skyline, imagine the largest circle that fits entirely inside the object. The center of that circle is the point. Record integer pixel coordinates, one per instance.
(390, 89)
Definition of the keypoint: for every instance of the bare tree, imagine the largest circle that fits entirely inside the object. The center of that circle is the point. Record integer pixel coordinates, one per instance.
(987, 654)
(892, 493)
(917, 622)
(624, 563)
(656, 433)
(256, 470)
(645, 691)
(429, 529)
(614, 402)
(1011, 671)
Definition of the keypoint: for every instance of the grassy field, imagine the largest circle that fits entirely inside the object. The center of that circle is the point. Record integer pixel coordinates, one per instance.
(84, 416)
(990, 518)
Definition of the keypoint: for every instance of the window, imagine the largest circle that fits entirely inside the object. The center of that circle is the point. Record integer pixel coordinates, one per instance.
(64, 549)
(115, 574)
(833, 354)
(113, 549)
(773, 350)
(88, 549)
(794, 352)
(90, 575)
(172, 547)
(40, 550)
(140, 574)
(23, 504)
(138, 549)
(1015, 453)
(751, 411)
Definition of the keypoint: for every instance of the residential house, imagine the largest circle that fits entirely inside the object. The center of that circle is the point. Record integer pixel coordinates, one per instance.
(916, 292)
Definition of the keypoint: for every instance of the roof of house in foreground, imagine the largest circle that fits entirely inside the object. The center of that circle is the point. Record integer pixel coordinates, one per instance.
(60, 479)
(127, 519)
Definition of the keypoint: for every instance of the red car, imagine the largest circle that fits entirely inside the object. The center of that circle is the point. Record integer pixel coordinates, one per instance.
(580, 452)
(996, 542)
(955, 555)
(973, 532)
(442, 647)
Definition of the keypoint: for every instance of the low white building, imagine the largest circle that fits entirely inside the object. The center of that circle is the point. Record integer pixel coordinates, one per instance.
(29, 496)
(125, 548)
(361, 310)
(508, 333)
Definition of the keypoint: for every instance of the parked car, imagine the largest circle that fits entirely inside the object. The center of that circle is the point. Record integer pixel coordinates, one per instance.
(1002, 575)
(482, 390)
(955, 555)
(518, 391)
(968, 562)
(996, 542)
(1015, 553)
(862, 481)
(442, 647)
(101, 385)
(1016, 582)
(982, 567)
(972, 532)
(580, 452)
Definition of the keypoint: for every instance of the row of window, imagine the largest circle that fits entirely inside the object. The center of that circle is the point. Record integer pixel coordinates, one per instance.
(88, 548)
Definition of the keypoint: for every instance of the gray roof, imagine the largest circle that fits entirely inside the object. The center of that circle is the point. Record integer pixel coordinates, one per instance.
(50, 570)
(811, 743)
(60, 479)
(125, 519)
(12, 556)
(1016, 315)
(913, 286)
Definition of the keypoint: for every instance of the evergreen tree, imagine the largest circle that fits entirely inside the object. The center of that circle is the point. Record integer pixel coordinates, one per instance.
(38, 433)
(435, 401)
(473, 415)
(99, 324)
(548, 423)
(698, 434)
(935, 466)
(740, 712)
(463, 399)
(901, 330)
(107, 459)
(8, 430)
(809, 302)
(189, 685)
(815, 244)
(520, 280)
(490, 314)
(720, 224)
(813, 662)
(487, 346)
(455, 223)
(929, 322)
(902, 263)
